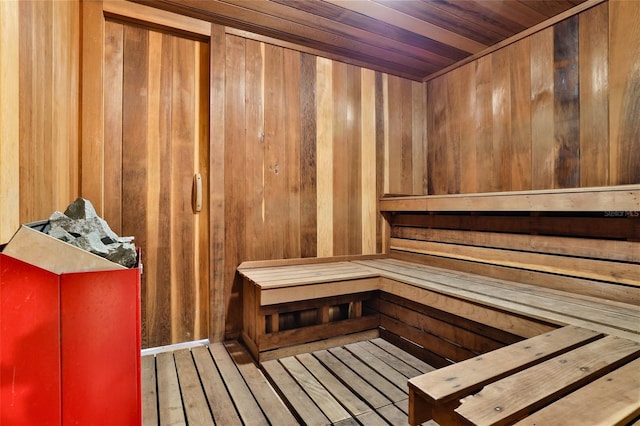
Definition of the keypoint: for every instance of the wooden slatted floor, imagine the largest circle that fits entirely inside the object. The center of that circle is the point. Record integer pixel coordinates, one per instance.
(362, 383)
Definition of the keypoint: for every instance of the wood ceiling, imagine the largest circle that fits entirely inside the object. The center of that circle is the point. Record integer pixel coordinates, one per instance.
(415, 39)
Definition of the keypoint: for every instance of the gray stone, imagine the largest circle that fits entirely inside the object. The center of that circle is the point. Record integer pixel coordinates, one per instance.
(91, 242)
(123, 253)
(81, 226)
(80, 209)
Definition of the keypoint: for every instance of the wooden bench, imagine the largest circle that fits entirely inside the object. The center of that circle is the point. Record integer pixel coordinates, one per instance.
(466, 275)
(507, 384)
(288, 303)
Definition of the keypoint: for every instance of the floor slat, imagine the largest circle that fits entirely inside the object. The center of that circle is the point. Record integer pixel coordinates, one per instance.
(193, 398)
(387, 388)
(149, 395)
(318, 393)
(246, 404)
(307, 410)
(273, 407)
(224, 412)
(169, 397)
(351, 402)
(220, 384)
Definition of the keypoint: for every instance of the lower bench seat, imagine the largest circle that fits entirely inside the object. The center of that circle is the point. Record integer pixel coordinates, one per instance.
(506, 385)
(311, 294)
(564, 346)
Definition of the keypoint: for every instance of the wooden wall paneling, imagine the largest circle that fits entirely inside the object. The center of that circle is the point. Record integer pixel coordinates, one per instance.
(134, 141)
(382, 226)
(183, 278)
(158, 321)
(234, 160)
(594, 101)
(353, 129)
(483, 124)
(566, 103)
(456, 116)
(201, 161)
(400, 174)
(624, 91)
(66, 74)
(255, 229)
(502, 147)
(113, 80)
(9, 119)
(217, 182)
(383, 108)
(340, 141)
(542, 117)
(275, 166)
(437, 128)
(419, 138)
(468, 140)
(369, 161)
(308, 157)
(92, 172)
(406, 136)
(520, 57)
(36, 150)
(324, 141)
(292, 113)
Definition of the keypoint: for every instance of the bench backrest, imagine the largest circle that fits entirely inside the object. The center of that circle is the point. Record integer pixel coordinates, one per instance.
(593, 252)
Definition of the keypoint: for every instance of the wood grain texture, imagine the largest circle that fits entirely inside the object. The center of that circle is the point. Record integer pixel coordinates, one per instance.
(594, 103)
(369, 156)
(339, 166)
(234, 156)
(255, 140)
(292, 82)
(134, 166)
(113, 131)
(520, 74)
(217, 271)
(324, 111)
(549, 110)
(9, 120)
(92, 121)
(483, 121)
(308, 157)
(624, 90)
(566, 106)
(303, 156)
(158, 140)
(542, 122)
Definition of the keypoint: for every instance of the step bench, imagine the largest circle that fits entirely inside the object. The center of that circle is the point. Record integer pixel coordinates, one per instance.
(571, 375)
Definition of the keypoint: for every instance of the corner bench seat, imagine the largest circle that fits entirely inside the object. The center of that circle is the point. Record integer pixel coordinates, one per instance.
(573, 341)
(521, 309)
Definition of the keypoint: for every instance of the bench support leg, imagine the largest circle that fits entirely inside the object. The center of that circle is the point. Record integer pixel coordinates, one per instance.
(419, 409)
(445, 414)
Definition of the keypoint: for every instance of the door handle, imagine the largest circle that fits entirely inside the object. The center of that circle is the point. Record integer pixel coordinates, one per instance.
(197, 193)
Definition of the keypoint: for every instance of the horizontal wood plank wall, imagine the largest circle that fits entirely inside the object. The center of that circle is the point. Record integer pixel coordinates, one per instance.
(302, 162)
(553, 110)
(39, 114)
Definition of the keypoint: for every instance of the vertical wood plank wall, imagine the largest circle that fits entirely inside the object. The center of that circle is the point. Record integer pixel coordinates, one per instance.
(557, 109)
(156, 137)
(301, 159)
(39, 110)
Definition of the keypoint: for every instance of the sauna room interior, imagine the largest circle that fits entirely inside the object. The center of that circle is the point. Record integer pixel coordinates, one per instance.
(350, 212)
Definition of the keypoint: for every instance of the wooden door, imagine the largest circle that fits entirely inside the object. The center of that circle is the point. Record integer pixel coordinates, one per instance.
(156, 132)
